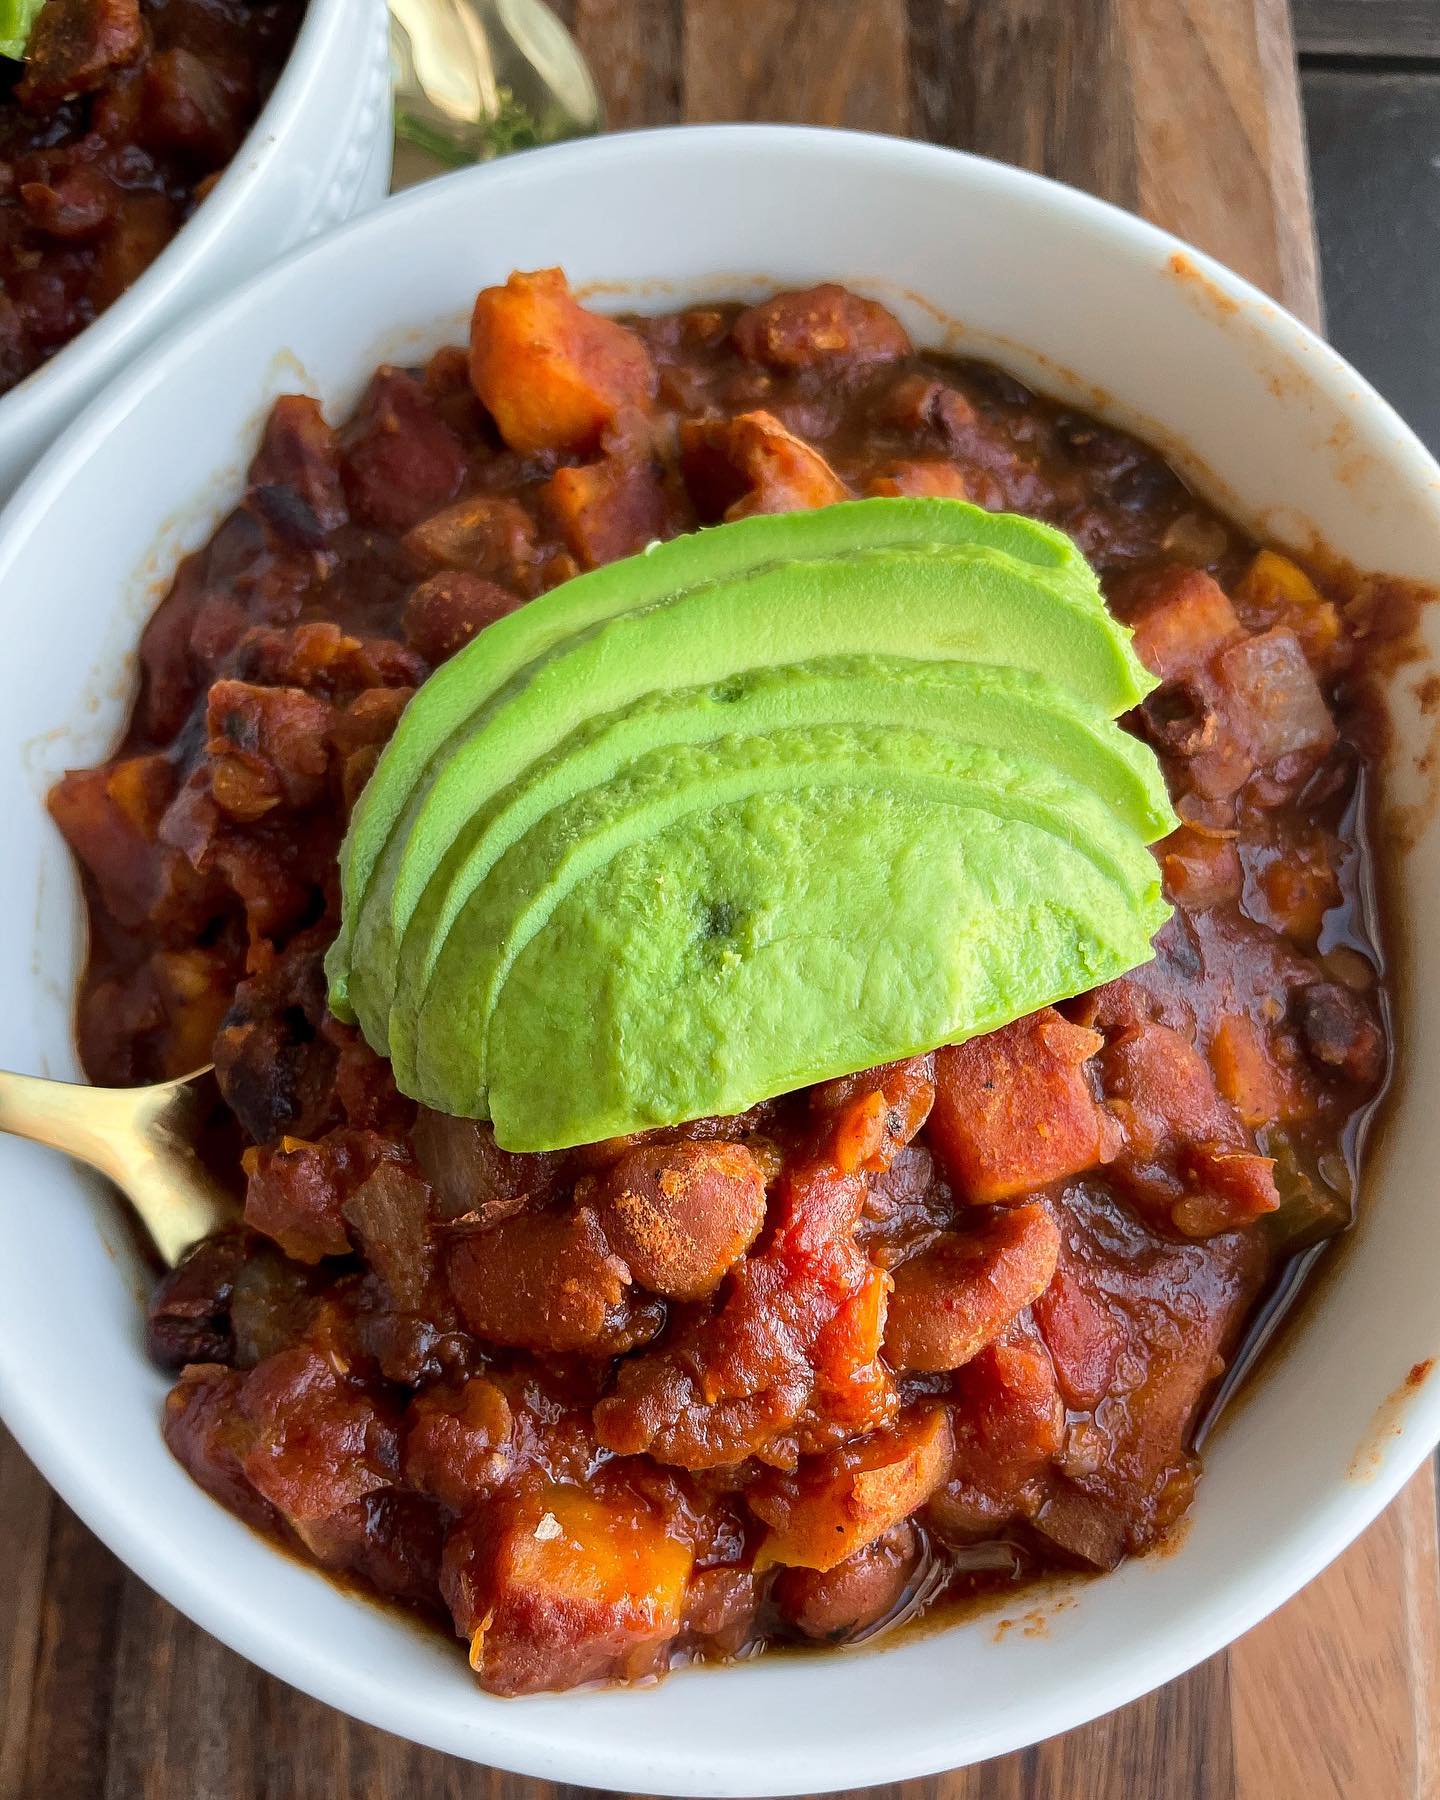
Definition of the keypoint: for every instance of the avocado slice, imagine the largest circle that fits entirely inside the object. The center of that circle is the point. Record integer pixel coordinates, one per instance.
(459, 689)
(822, 938)
(17, 20)
(973, 703)
(678, 782)
(959, 602)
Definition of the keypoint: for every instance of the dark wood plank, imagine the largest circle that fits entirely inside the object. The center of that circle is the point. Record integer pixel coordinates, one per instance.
(25, 1509)
(1375, 143)
(1337, 1695)
(1401, 29)
(1184, 110)
(760, 59)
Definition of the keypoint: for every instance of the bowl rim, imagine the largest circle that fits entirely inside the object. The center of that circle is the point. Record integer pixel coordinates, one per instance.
(1177, 1644)
(76, 365)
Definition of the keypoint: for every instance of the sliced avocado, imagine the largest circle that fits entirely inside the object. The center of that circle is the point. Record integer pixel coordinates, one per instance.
(456, 692)
(677, 782)
(996, 708)
(821, 938)
(17, 20)
(963, 602)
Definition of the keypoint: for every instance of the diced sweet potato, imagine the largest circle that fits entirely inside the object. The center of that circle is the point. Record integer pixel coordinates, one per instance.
(608, 509)
(551, 374)
(1245, 1071)
(958, 1295)
(446, 610)
(481, 535)
(877, 1112)
(1277, 591)
(817, 325)
(836, 1505)
(1180, 617)
(562, 1586)
(943, 480)
(752, 464)
(1014, 1111)
(681, 1214)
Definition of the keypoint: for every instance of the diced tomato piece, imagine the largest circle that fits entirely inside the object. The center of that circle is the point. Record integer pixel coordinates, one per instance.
(1084, 1337)
(1008, 1425)
(1014, 1111)
(960, 1293)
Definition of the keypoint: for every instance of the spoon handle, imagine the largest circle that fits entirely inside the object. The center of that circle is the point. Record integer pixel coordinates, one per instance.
(141, 1138)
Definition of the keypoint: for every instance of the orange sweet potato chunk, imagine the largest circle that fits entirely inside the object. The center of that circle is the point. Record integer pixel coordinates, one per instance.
(562, 1586)
(552, 375)
(1014, 1111)
(838, 1503)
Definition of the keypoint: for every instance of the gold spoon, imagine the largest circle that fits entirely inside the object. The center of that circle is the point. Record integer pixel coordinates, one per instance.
(142, 1138)
(478, 78)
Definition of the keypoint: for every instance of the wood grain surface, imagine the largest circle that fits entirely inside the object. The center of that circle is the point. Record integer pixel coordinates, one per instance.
(1185, 110)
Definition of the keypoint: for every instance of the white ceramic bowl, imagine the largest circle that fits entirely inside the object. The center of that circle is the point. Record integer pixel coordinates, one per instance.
(318, 154)
(1077, 298)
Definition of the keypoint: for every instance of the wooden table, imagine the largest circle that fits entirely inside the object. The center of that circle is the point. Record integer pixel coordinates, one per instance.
(1185, 110)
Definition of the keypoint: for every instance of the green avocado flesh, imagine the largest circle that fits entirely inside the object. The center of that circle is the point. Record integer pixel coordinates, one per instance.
(760, 806)
(458, 690)
(957, 603)
(17, 18)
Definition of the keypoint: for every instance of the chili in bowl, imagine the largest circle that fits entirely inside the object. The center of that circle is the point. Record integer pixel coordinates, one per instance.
(879, 1339)
(120, 121)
